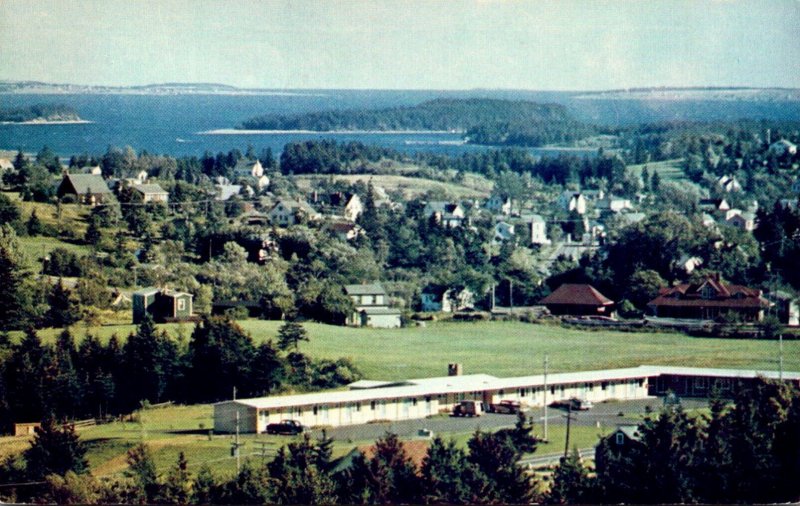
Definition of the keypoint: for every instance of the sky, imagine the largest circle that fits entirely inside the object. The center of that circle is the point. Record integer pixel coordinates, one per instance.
(404, 44)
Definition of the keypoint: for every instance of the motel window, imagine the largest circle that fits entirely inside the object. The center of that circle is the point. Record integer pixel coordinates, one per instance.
(315, 409)
(372, 405)
(427, 398)
(358, 406)
(641, 382)
(501, 392)
(414, 401)
(620, 438)
(604, 385)
(552, 390)
(562, 389)
(181, 304)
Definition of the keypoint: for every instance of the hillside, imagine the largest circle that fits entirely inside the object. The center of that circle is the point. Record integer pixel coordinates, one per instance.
(39, 113)
(462, 115)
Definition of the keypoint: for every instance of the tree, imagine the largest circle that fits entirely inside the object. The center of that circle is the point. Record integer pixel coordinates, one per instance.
(177, 486)
(448, 477)
(55, 450)
(93, 234)
(655, 182)
(9, 211)
(34, 225)
(571, 481)
(13, 291)
(299, 478)
(142, 470)
(149, 362)
(497, 457)
(268, 370)
(290, 334)
(64, 309)
(643, 286)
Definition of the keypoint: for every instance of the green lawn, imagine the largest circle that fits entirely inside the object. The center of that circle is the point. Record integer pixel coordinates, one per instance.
(502, 348)
(668, 170)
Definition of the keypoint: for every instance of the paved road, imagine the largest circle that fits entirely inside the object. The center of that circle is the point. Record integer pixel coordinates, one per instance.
(603, 414)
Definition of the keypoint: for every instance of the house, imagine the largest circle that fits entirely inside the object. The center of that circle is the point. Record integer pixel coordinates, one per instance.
(743, 221)
(786, 308)
(503, 232)
(162, 304)
(538, 230)
(140, 177)
(448, 300)
(709, 299)
(573, 201)
(578, 300)
(688, 263)
(287, 212)
(613, 204)
(620, 442)
(348, 205)
(345, 230)
(371, 307)
(96, 170)
(499, 204)
(248, 168)
(729, 184)
(708, 221)
(714, 205)
(86, 188)
(447, 214)
(225, 191)
(151, 193)
(782, 147)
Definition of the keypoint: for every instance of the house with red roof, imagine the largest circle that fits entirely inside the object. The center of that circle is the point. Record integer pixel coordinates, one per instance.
(709, 299)
(578, 300)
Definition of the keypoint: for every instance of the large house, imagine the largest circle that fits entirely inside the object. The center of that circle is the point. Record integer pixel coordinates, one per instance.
(85, 188)
(446, 214)
(371, 307)
(163, 305)
(709, 299)
(578, 300)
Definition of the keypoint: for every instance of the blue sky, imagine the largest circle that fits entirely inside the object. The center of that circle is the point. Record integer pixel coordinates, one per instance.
(408, 44)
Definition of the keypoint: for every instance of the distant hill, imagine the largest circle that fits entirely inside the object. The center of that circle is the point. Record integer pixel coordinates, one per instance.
(39, 113)
(698, 93)
(485, 121)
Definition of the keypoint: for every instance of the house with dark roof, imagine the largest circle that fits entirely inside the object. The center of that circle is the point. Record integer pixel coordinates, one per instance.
(85, 188)
(162, 304)
(709, 299)
(371, 307)
(623, 441)
(446, 214)
(578, 300)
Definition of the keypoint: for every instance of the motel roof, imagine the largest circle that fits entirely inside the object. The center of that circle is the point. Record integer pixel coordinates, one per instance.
(482, 382)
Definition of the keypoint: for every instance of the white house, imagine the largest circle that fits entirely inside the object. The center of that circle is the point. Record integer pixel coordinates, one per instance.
(353, 207)
(289, 212)
(447, 300)
(151, 193)
(614, 204)
(371, 307)
(573, 201)
(729, 184)
(447, 214)
(503, 232)
(248, 168)
(538, 229)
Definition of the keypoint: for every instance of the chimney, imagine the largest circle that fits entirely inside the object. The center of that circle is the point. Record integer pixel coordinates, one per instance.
(455, 369)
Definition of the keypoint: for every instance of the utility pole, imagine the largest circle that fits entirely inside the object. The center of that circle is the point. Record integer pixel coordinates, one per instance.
(493, 288)
(511, 296)
(235, 446)
(545, 397)
(569, 419)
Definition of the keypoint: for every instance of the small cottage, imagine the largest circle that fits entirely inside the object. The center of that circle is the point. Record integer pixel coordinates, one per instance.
(371, 307)
(151, 193)
(162, 304)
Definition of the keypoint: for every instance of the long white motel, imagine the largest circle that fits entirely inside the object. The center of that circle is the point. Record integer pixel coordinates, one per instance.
(372, 401)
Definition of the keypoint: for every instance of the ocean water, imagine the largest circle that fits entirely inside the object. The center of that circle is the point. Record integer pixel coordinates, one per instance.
(174, 124)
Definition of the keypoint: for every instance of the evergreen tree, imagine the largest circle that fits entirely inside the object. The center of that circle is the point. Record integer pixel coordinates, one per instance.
(206, 488)
(298, 478)
(64, 392)
(64, 309)
(150, 364)
(571, 481)
(497, 457)
(9, 211)
(655, 182)
(177, 486)
(24, 373)
(290, 334)
(93, 234)
(448, 477)
(142, 470)
(55, 450)
(13, 292)
(34, 225)
(268, 370)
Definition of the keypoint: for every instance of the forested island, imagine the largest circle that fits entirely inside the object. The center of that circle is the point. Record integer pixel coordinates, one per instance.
(40, 113)
(484, 121)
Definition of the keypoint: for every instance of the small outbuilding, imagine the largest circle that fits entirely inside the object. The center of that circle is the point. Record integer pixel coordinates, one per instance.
(163, 305)
(578, 300)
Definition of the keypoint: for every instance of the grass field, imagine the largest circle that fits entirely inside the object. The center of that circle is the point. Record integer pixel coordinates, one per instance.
(668, 170)
(474, 186)
(501, 348)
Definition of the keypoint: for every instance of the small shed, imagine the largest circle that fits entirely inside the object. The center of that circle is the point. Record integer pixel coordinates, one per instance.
(162, 305)
(26, 429)
(578, 300)
(144, 301)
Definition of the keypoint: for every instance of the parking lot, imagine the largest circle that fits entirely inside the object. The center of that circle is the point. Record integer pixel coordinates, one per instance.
(606, 414)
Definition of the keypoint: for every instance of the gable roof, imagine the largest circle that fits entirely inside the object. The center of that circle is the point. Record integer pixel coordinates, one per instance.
(726, 295)
(87, 183)
(577, 294)
(370, 289)
(149, 189)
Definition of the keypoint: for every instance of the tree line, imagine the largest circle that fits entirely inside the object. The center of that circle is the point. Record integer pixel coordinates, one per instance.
(69, 380)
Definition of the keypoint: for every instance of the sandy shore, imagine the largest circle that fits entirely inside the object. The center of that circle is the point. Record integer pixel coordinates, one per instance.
(44, 122)
(234, 131)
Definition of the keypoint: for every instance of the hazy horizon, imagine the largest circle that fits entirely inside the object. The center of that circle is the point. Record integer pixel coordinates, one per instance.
(574, 45)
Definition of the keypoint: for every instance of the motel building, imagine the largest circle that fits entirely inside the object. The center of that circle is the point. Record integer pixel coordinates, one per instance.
(370, 401)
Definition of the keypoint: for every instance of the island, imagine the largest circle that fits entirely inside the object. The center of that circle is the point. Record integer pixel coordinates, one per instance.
(481, 120)
(40, 113)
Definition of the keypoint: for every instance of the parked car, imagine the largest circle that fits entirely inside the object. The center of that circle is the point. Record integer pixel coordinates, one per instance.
(286, 428)
(573, 404)
(506, 407)
(468, 408)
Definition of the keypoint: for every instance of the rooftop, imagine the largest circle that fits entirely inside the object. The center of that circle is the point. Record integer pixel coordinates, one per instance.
(366, 289)
(577, 294)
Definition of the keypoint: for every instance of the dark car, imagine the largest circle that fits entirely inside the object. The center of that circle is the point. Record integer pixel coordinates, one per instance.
(573, 404)
(505, 407)
(286, 428)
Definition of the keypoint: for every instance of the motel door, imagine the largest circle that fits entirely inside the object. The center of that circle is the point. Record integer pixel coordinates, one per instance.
(382, 409)
(347, 414)
(324, 414)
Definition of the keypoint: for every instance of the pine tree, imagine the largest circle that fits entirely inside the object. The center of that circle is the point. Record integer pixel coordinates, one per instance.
(93, 234)
(655, 181)
(571, 481)
(55, 450)
(177, 486)
(299, 479)
(64, 309)
(448, 477)
(34, 225)
(13, 292)
(290, 334)
(142, 470)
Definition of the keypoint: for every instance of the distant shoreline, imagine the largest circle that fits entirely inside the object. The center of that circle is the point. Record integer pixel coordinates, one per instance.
(234, 131)
(46, 122)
